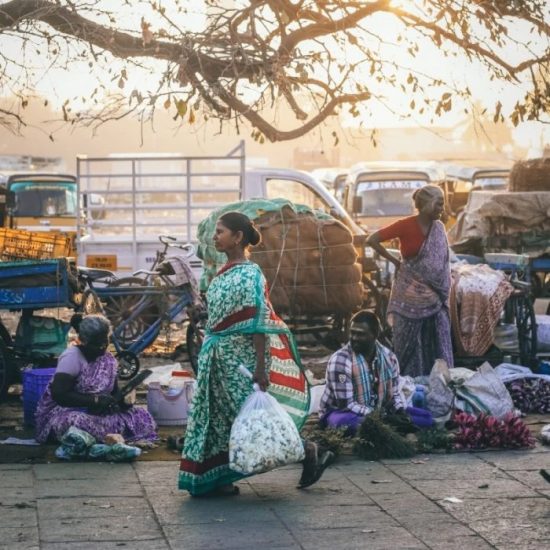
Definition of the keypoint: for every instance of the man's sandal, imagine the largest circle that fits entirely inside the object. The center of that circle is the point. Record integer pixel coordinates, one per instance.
(313, 474)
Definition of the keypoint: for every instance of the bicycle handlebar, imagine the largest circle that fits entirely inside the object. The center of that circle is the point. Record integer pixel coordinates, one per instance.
(175, 244)
(163, 238)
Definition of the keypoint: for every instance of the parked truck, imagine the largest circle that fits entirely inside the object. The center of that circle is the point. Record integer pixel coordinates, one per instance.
(148, 195)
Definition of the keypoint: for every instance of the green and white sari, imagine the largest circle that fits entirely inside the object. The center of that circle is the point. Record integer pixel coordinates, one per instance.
(238, 308)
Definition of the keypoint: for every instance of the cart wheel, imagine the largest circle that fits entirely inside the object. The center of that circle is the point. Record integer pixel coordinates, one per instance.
(91, 304)
(527, 329)
(119, 308)
(193, 338)
(128, 365)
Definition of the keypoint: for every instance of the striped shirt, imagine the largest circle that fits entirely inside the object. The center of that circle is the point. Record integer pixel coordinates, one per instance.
(339, 394)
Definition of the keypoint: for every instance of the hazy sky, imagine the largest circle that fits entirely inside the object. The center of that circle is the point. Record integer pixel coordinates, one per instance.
(58, 85)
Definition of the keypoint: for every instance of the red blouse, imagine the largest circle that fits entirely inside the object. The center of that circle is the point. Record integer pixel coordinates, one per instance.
(409, 233)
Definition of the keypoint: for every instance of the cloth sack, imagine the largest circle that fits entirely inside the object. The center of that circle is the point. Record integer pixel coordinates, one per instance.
(440, 397)
(263, 436)
(483, 392)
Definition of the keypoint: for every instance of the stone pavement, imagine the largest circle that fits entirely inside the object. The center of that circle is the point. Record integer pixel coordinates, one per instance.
(498, 500)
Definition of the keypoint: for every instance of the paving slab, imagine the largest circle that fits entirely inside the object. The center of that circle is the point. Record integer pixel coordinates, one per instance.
(191, 511)
(110, 528)
(85, 470)
(520, 511)
(87, 487)
(154, 544)
(432, 469)
(473, 489)
(19, 537)
(518, 460)
(246, 534)
(368, 537)
(531, 478)
(341, 492)
(92, 507)
(329, 516)
(15, 517)
(19, 479)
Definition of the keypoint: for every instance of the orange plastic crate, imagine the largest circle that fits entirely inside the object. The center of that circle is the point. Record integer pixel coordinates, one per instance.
(17, 244)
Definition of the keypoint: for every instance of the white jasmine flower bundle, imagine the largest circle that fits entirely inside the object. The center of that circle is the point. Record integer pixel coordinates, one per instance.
(263, 436)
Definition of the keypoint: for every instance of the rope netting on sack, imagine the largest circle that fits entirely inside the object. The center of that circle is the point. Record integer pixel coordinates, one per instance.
(307, 257)
(530, 175)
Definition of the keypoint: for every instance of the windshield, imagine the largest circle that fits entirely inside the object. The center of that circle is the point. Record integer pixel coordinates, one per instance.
(44, 199)
(387, 198)
(496, 182)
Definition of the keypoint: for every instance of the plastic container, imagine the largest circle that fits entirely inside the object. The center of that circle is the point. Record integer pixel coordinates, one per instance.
(170, 407)
(35, 382)
(419, 397)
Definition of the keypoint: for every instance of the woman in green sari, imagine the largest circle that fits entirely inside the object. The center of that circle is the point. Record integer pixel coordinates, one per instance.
(244, 330)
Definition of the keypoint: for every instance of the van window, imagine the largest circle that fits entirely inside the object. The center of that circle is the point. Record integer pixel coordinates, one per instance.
(297, 192)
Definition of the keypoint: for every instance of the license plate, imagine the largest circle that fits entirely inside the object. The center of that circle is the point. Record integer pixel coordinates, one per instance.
(103, 261)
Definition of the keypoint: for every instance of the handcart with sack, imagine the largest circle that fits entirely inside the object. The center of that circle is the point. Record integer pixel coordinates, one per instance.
(308, 259)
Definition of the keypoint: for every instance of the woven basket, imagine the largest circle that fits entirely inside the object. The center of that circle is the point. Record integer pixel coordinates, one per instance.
(530, 175)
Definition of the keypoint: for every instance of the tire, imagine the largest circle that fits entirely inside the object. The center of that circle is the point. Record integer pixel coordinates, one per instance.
(91, 304)
(128, 365)
(119, 308)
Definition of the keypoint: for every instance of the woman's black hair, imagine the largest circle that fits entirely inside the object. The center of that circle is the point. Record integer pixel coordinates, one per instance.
(235, 221)
(75, 321)
(93, 327)
(369, 318)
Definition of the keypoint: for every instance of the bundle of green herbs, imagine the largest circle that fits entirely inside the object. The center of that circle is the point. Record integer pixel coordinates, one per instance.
(375, 440)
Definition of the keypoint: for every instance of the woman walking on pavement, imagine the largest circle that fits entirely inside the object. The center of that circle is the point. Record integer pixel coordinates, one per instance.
(419, 301)
(244, 330)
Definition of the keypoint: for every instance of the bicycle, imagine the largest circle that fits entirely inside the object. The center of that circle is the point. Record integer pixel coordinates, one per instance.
(139, 306)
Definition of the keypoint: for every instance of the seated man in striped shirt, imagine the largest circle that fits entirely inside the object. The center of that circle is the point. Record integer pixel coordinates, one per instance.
(361, 377)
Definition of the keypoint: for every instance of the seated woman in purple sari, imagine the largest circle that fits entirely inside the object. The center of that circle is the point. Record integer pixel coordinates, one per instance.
(419, 301)
(81, 393)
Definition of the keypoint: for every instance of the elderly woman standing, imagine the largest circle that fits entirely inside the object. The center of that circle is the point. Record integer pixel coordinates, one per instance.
(419, 298)
(82, 392)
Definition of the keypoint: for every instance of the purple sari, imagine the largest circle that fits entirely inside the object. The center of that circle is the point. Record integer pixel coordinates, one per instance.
(419, 306)
(97, 377)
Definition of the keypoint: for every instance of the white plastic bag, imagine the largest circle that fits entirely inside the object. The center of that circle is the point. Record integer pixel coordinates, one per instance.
(263, 436)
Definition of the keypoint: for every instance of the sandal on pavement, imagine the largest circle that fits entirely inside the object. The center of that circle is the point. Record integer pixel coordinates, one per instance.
(323, 462)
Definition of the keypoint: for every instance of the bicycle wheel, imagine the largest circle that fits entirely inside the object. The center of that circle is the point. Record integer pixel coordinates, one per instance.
(119, 309)
(128, 365)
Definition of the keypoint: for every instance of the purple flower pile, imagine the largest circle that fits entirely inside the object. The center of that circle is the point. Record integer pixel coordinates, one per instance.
(485, 431)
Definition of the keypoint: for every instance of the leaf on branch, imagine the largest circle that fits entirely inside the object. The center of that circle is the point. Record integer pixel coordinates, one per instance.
(146, 34)
(191, 116)
(181, 107)
(167, 103)
(498, 109)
